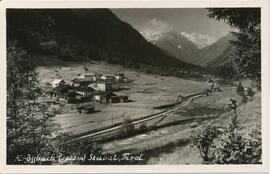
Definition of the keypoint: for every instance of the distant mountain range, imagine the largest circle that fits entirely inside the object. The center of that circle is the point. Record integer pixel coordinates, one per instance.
(175, 44)
(192, 48)
(200, 40)
(85, 34)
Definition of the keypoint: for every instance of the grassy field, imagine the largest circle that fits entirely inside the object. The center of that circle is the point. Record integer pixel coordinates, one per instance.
(249, 115)
(161, 146)
(145, 91)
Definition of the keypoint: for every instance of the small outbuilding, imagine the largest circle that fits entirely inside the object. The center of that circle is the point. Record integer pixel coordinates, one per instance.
(119, 76)
(109, 78)
(123, 98)
(93, 77)
(81, 82)
(58, 91)
(86, 108)
(105, 97)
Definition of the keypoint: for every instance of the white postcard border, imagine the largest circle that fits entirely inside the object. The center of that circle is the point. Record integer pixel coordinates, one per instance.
(264, 4)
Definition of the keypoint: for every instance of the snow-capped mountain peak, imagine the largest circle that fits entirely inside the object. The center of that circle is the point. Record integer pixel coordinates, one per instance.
(151, 36)
(200, 40)
(154, 29)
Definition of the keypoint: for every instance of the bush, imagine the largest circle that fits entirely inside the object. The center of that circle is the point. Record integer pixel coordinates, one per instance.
(250, 91)
(127, 127)
(204, 142)
(228, 146)
(240, 89)
(143, 127)
(244, 99)
(233, 148)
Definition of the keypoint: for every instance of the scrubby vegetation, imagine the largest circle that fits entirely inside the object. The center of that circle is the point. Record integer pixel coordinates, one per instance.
(229, 145)
(240, 89)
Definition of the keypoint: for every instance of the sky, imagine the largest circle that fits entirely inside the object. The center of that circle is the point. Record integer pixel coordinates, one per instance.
(187, 20)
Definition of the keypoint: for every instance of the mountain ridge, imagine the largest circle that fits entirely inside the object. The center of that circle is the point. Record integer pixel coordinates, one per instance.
(213, 55)
(175, 43)
(217, 52)
(80, 35)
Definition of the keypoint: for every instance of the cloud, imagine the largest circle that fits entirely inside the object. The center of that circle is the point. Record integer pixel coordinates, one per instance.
(156, 26)
(200, 40)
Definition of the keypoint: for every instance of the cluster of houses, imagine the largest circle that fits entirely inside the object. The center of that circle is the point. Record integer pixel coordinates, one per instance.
(86, 89)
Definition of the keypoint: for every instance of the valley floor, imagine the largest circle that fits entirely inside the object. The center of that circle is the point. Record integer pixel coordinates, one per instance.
(145, 92)
(168, 145)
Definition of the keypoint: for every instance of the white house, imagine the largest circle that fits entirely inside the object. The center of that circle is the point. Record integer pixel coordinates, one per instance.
(104, 86)
(57, 82)
(101, 86)
(110, 78)
(85, 92)
(119, 76)
(89, 76)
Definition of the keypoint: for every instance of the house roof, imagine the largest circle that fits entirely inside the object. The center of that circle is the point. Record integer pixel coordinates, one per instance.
(56, 81)
(73, 94)
(119, 74)
(103, 81)
(60, 88)
(87, 74)
(108, 76)
(79, 88)
(84, 89)
(85, 104)
(105, 94)
(86, 107)
(82, 80)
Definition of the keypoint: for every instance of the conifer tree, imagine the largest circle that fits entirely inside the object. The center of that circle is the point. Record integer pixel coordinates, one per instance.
(246, 53)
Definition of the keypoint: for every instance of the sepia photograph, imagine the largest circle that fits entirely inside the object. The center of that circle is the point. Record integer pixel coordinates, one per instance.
(133, 86)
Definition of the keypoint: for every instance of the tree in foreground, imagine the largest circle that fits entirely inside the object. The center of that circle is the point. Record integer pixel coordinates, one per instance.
(246, 53)
(29, 124)
(30, 128)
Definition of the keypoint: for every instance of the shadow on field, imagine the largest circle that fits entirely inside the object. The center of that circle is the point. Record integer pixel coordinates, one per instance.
(121, 89)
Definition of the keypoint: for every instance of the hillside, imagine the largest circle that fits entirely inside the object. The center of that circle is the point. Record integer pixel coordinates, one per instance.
(185, 49)
(82, 35)
(216, 54)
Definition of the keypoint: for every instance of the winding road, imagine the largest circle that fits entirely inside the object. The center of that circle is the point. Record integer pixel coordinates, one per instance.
(144, 119)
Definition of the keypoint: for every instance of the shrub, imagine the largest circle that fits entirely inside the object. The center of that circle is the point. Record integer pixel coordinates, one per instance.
(233, 148)
(143, 127)
(240, 89)
(227, 145)
(250, 91)
(244, 99)
(204, 142)
(127, 127)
